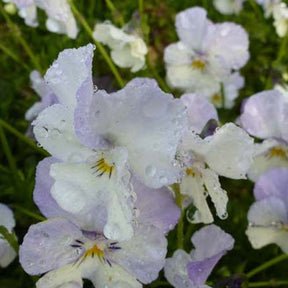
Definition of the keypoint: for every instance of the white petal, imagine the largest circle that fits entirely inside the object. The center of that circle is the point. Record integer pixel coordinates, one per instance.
(176, 269)
(193, 188)
(192, 26)
(8, 256)
(86, 195)
(218, 195)
(229, 151)
(29, 14)
(71, 70)
(54, 130)
(6, 217)
(178, 54)
(68, 276)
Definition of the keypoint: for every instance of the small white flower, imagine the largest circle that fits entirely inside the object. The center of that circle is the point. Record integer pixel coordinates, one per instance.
(228, 6)
(280, 14)
(128, 50)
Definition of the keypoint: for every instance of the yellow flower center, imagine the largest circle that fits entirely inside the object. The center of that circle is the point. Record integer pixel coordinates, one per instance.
(198, 64)
(190, 172)
(94, 251)
(278, 152)
(216, 98)
(102, 168)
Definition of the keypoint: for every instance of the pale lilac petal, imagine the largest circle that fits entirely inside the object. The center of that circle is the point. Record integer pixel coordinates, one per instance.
(46, 246)
(273, 183)
(264, 114)
(210, 241)
(199, 271)
(142, 118)
(178, 54)
(54, 130)
(144, 255)
(8, 256)
(71, 70)
(6, 217)
(268, 223)
(156, 207)
(200, 111)
(230, 42)
(176, 269)
(192, 26)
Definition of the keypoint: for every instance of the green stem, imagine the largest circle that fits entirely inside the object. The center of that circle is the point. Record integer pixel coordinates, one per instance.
(222, 95)
(101, 49)
(282, 50)
(267, 265)
(8, 153)
(180, 225)
(271, 283)
(10, 237)
(256, 8)
(12, 55)
(16, 32)
(114, 11)
(23, 138)
(29, 213)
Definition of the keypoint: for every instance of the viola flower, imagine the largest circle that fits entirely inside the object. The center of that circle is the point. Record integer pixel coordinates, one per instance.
(103, 171)
(227, 152)
(228, 6)
(205, 54)
(7, 253)
(192, 270)
(46, 95)
(128, 50)
(268, 216)
(264, 116)
(69, 248)
(280, 15)
(60, 18)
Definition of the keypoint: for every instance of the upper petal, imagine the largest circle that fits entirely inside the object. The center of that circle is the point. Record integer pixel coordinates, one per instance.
(6, 217)
(142, 118)
(71, 70)
(192, 26)
(264, 115)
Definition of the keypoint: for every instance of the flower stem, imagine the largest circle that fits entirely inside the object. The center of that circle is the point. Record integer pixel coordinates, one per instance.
(114, 11)
(23, 138)
(267, 265)
(282, 49)
(101, 49)
(16, 32)
(271, 283)
(180, 225)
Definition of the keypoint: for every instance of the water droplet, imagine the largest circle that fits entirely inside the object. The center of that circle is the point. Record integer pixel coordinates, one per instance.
(224, 216)
(171, 226)
(150, 170)
(42, 132)
(163, 180)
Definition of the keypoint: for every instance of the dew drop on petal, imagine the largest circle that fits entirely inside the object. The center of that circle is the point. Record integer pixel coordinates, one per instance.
(224, 216)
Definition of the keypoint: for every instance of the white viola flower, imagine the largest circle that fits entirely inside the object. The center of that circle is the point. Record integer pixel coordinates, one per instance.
(7, 253)
(54, 130)
(280, 15)
(128, 50)
(60, 18)
(264, 115)
(268, 216)
(227, 152)
(185, 270)
(228, 6)
(103, 167)
(27, 10)
(205, 54)
(268, 6)
(46, 95)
